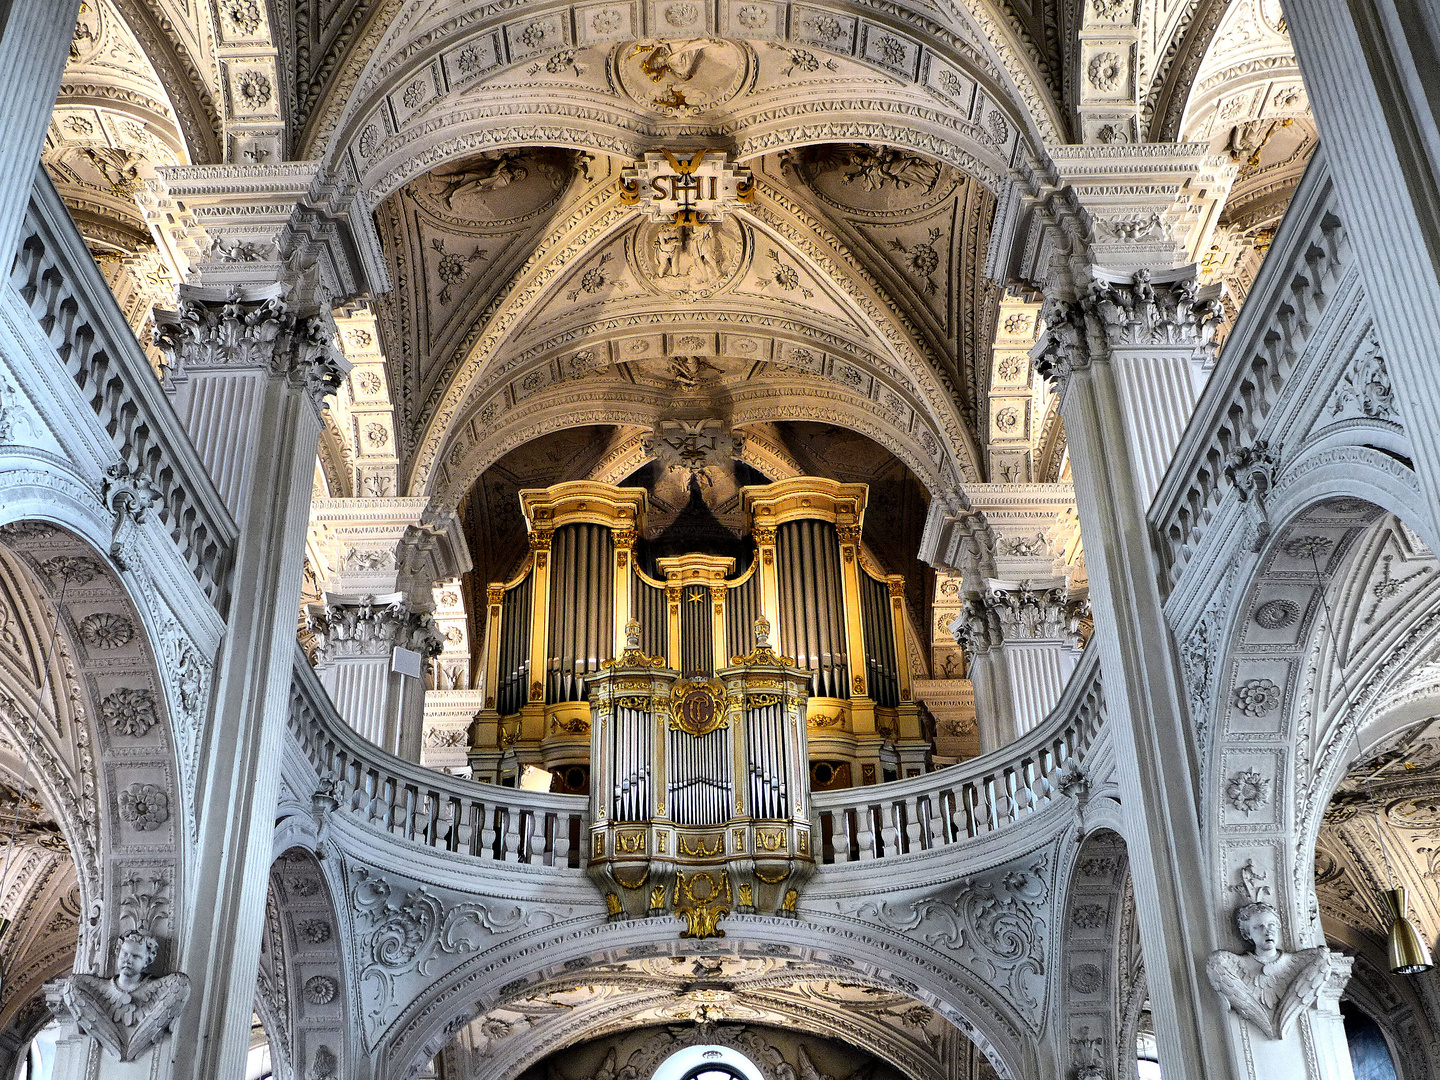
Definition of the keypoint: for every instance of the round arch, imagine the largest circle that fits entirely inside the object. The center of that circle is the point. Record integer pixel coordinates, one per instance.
(86, 707)
(471, 52)
(303, 994)
(690, 1063)
(473, 988)
(1313, 654)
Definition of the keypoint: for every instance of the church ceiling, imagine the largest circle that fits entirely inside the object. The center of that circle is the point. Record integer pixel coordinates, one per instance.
(453, 239)
(523, 285)
(494, 527)
(923, 230)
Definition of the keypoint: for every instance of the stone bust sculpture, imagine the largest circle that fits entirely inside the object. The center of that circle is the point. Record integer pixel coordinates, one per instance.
(129, 1013)
(1267, 986)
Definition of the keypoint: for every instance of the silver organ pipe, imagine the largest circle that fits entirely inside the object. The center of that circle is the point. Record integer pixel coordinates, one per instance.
(649, 608)
(697, 632)
(631, 753)
(514, 647)
(812, 621)
(742, 608)
(882, 670)
(582, 599)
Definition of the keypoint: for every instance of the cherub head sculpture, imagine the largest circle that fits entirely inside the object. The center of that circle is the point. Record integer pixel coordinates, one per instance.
(134, 953)
(1259, 924)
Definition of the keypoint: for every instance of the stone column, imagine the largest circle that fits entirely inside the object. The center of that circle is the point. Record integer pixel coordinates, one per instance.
(1143, 695)
(248, 374)
(376, 561)
(1023, 641)
(1369, 68)
(979, 638)
(1017, 552)
(1112, 256)
(371, 654)
(34, 45)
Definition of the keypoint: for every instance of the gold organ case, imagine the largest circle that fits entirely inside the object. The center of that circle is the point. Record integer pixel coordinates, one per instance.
(697, 693)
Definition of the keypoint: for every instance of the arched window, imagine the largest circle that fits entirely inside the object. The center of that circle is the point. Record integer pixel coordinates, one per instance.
(713, 1072)
(707, 1063)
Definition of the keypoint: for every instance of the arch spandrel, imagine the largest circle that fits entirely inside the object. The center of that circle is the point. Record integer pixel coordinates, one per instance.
(432, 954)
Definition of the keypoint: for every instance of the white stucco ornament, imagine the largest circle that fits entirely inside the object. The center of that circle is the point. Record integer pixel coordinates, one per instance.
(129, 1013)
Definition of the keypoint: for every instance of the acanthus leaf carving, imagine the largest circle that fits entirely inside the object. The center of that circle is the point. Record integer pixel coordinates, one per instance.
(372, 628)
(1252, 470)
(993, 925)
(410, 933)
(249, 330)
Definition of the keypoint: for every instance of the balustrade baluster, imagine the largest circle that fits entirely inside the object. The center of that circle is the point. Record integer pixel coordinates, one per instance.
(494, 833)
(561, 845)
(893, 815)
(510, 847)
(949, 816)
(920, 838)
(865, 839)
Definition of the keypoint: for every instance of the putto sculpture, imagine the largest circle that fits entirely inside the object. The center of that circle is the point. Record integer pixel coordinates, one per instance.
(129, 1013)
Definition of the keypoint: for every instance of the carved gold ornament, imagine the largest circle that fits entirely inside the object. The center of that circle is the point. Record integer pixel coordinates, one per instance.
(696, 708)
(702, 902)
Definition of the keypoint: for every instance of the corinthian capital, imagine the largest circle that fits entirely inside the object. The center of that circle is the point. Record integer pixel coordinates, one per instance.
(1140, 309)
(239, 328)
(370, 626)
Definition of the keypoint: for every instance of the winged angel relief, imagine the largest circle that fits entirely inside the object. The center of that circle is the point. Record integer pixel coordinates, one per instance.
(1268, 987)
(129, 1013)
(992, 925)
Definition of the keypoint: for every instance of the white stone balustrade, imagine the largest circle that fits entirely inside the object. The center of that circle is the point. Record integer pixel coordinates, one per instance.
(965, 801)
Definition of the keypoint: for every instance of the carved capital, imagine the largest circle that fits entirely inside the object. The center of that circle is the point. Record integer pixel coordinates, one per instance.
(1063, 349)
(975, 629)
(1147, 312)
(371, 627)
(240, 328)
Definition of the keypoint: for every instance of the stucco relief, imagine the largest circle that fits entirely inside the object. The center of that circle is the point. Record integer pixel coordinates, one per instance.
(996, 925)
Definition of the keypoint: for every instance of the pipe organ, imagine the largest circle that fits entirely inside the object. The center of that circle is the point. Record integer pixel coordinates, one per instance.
(701, 690)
